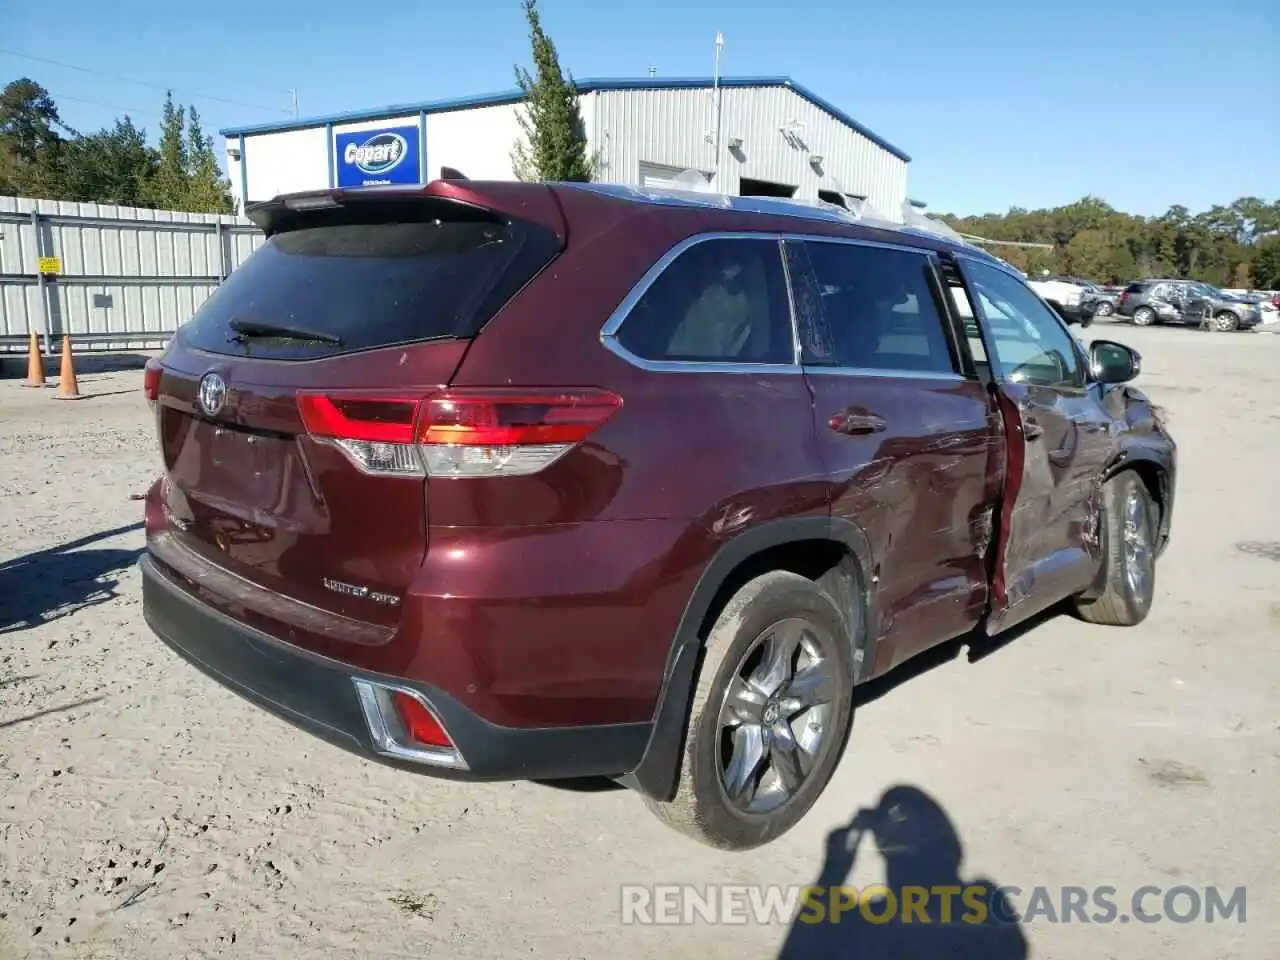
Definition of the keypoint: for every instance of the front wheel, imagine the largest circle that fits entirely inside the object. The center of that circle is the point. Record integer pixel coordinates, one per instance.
(1144, 317)
(770, 715)
(1129, 550)
(1226, 321)
(1104, 310)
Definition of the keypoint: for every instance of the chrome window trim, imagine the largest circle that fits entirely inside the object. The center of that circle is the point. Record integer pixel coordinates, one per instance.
(884, 373)
(609, 332)
(859, 242)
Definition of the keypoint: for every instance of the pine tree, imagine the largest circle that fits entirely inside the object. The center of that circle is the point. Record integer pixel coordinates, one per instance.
(208, 190)
(554, 145)
(170, 186)
(111, 166)
(31, 146)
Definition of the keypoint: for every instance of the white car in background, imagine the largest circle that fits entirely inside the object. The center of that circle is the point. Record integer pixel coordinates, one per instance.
(1063, 294)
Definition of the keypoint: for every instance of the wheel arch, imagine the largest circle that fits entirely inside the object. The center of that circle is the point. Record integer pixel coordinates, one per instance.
(832, 551)
(1157, 476)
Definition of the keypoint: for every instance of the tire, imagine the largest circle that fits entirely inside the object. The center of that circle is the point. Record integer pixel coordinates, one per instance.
(768, 614)
(1104, 310)
(1128, 548)
(1144, 317)
(1225, 321)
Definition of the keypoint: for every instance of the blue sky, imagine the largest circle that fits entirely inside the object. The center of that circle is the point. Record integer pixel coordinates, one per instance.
(999, 103)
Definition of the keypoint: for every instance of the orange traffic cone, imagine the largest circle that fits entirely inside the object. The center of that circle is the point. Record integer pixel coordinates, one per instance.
(35, 363)
(68, 388)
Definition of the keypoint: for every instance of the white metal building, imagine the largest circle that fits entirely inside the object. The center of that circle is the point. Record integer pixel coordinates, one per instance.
(764, 136)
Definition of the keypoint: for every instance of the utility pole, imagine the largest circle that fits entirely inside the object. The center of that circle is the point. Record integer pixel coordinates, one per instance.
(293, 96)
(717, 99)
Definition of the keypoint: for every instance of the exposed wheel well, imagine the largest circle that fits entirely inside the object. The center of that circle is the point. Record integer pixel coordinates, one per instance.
(1153, 478)
(828, 563)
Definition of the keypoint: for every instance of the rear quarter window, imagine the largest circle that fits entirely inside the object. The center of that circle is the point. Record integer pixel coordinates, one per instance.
(721, 300)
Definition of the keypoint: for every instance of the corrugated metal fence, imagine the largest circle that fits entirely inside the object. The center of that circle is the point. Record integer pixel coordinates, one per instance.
(125, 277)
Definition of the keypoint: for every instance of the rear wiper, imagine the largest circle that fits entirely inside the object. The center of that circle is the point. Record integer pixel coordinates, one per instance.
(248, 329)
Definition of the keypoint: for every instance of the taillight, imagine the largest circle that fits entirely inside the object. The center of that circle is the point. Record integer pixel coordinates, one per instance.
(1124, 295)
(496, 433)
(151, 381)
(374, 431)
(419, 722)
(462, 432)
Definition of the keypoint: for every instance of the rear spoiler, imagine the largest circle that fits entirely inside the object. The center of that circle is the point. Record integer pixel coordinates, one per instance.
(458, 198)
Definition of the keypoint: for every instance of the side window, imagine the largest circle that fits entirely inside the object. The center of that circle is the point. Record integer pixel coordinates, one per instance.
(720, 301)
(876, 310)
(1029, 343)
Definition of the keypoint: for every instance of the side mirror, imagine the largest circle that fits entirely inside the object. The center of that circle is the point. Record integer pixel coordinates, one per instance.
(1113, 362)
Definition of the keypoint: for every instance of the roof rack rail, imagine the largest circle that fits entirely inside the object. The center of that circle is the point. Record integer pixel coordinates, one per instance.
(691, 188)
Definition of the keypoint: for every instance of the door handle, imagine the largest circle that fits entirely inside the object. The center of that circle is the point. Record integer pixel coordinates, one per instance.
(1031, 430)
(857, 424)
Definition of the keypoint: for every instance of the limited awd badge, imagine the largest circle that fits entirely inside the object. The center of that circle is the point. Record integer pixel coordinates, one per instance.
(355, 590)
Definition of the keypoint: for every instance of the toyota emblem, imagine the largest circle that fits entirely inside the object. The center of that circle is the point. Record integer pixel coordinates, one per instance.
(212, 393)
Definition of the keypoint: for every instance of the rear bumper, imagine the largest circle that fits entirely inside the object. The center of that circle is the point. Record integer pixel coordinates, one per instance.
(319, 695)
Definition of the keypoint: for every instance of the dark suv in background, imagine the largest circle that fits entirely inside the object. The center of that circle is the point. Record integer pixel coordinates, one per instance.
(529, 481)
(1190, 302)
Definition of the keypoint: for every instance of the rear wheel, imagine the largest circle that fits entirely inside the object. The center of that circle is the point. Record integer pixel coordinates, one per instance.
(1128, 545)
(1144, 317)
(1104, 310)
(1225, 321)
(770, 715)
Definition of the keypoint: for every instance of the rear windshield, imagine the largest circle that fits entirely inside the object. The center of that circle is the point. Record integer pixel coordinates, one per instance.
(331, 285)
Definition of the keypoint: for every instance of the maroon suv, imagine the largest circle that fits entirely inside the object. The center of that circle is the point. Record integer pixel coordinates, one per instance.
(535, 481)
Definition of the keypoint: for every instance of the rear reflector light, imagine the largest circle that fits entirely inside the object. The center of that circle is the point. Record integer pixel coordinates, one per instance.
(419, 722)
(151, 381)
(456, 433)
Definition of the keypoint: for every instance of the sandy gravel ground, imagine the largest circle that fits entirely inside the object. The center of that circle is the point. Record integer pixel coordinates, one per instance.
(147, 813)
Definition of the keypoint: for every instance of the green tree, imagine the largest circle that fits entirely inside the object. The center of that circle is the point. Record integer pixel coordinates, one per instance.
(1092, 239)
(110, 166)
(30, 141)
(1265, 268)
(554, 144)
(208, 191)
(170, 186)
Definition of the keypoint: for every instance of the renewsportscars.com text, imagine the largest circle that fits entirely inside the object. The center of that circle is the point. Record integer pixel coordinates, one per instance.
(674, 904)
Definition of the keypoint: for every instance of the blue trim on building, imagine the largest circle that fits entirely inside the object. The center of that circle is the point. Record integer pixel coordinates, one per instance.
(328, 149)
(244, 177)
(584, 86)
(422, 147)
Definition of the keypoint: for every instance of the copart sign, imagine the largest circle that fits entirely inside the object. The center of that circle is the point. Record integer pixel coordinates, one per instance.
(378, 157)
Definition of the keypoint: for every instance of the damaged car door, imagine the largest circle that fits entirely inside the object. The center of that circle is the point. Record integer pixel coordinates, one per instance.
(1058, 441)
(905, 437)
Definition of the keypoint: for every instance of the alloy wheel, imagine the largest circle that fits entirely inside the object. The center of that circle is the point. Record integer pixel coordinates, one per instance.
(775, 717)
(1138, 553)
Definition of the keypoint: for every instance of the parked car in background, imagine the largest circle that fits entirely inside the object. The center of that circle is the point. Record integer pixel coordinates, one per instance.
(1099, 301)
(505, 481)
(1064, 294)
(1189, 302)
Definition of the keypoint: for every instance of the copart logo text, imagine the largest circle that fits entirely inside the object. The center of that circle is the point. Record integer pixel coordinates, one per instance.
(379, 154)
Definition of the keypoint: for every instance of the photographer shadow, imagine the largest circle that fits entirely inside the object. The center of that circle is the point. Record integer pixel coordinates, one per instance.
(922, 857)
